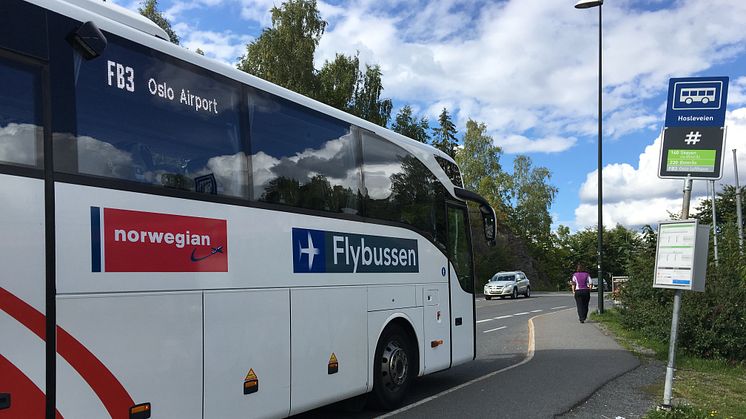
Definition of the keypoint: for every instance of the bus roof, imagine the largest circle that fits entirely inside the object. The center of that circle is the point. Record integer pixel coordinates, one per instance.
(121, 15)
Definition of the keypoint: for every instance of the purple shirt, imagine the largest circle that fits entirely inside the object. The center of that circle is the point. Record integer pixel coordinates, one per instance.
(582, 280)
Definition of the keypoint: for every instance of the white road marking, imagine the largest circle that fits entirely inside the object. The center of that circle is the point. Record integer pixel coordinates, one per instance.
(536, 311)
(521, 314)
(502, 317)
(495, 329)
(557, 308)
(485, 320)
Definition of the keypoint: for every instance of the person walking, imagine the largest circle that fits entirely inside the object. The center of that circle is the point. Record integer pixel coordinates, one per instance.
(581, 289)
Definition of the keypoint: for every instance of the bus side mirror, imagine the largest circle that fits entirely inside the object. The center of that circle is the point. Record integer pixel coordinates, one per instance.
(490, 224)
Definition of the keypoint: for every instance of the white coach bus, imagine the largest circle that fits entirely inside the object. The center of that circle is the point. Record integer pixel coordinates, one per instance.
(183, 240)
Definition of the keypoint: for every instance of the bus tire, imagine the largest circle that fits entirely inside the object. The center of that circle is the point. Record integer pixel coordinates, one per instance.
(393, 367)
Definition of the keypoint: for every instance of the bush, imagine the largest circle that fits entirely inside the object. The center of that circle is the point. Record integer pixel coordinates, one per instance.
(711, 324)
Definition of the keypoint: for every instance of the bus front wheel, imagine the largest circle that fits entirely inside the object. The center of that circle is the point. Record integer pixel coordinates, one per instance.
(394, 367)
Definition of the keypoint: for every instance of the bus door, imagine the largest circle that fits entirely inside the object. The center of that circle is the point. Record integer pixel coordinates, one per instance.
(461, 280)
(22, 237)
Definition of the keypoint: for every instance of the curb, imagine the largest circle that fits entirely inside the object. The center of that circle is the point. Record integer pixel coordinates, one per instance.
(529, 357)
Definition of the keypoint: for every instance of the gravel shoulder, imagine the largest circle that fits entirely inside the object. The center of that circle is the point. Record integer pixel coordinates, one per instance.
(629, 396)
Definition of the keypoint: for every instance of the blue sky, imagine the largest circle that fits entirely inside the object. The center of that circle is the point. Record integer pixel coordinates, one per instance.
(528, 69)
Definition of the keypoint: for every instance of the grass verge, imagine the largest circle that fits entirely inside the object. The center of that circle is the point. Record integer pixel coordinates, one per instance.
(703, 388)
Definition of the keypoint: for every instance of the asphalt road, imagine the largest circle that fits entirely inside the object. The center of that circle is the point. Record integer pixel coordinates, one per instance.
(502, 341)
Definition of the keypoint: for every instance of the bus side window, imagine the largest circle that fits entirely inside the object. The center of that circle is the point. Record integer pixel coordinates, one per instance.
(300, 157)
(21, 131)
(398, 187)
(168, 124)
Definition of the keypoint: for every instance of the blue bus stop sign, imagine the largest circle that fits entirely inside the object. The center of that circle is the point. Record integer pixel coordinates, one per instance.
(697, 101)
(694, 134)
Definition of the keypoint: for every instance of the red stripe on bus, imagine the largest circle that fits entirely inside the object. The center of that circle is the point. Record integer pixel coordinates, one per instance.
(106, 386)
(109, 390)
(27, 400)
(24, 313)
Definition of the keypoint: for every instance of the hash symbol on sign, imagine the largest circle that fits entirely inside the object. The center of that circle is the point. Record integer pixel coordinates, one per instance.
(692, 138)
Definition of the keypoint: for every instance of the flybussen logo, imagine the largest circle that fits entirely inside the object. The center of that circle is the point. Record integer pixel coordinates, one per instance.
(137, 241)
(318, 251)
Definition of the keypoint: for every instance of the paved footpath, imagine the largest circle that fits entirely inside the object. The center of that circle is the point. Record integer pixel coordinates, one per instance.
(569, 361)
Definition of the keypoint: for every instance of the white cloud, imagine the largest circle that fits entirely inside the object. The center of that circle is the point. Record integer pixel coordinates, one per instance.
(226, 46)
(258, 10)
(528, 67)
(635, 196)
(633, 213)
(521, 144)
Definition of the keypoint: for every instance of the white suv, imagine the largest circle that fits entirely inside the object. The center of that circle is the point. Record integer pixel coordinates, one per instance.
(504, 284)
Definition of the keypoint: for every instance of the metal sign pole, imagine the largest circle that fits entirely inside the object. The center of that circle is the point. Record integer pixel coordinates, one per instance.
(738, 202)
(668, 389)
(714, 224)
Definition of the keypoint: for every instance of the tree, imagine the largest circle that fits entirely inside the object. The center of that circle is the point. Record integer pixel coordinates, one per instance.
(407, 125)
(199, 51)
(532, 196)
(368, 103)
(479, 160)
(725, 207)
(444, 137)
(283, 54)
(337, 81)
(149, 9)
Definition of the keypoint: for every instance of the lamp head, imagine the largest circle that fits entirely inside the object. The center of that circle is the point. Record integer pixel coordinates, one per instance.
(587, 4)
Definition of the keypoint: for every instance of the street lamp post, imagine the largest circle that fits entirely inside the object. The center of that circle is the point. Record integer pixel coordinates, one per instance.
(586, 4)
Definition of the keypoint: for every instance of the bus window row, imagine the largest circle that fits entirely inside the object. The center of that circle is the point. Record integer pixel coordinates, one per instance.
(142, 116)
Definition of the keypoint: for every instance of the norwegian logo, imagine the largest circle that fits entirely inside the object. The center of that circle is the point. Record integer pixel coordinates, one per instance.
(137, 241)
(318, 251)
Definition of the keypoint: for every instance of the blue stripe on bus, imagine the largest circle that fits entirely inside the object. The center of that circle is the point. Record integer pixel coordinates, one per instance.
(95, 239)
(681, 281)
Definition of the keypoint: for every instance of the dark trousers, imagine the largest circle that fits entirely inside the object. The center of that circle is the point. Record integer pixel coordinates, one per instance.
(582, 298)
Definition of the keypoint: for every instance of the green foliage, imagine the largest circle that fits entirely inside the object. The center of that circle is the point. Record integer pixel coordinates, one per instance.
(149, 9)
(283, 54)
(724, 395)
(479, 160)
(406, 124)
(620, 247)
(444, 135)
(368, 103)
(725, 207)
(712, 324)
(337, 81)
(679, 412)
(532, 196)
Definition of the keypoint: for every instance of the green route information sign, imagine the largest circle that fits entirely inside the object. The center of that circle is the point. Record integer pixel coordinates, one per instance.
(692, 151)
(693, 161)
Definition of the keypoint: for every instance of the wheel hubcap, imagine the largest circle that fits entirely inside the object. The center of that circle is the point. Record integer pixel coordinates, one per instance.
(394, 365)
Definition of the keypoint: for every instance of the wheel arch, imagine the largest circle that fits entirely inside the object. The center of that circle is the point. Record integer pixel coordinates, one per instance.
(404, 321)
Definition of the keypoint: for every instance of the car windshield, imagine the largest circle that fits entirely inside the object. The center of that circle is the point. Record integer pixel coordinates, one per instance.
(502, 278)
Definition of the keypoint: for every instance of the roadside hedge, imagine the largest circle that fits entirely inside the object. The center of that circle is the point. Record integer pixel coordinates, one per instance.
(712, 324)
